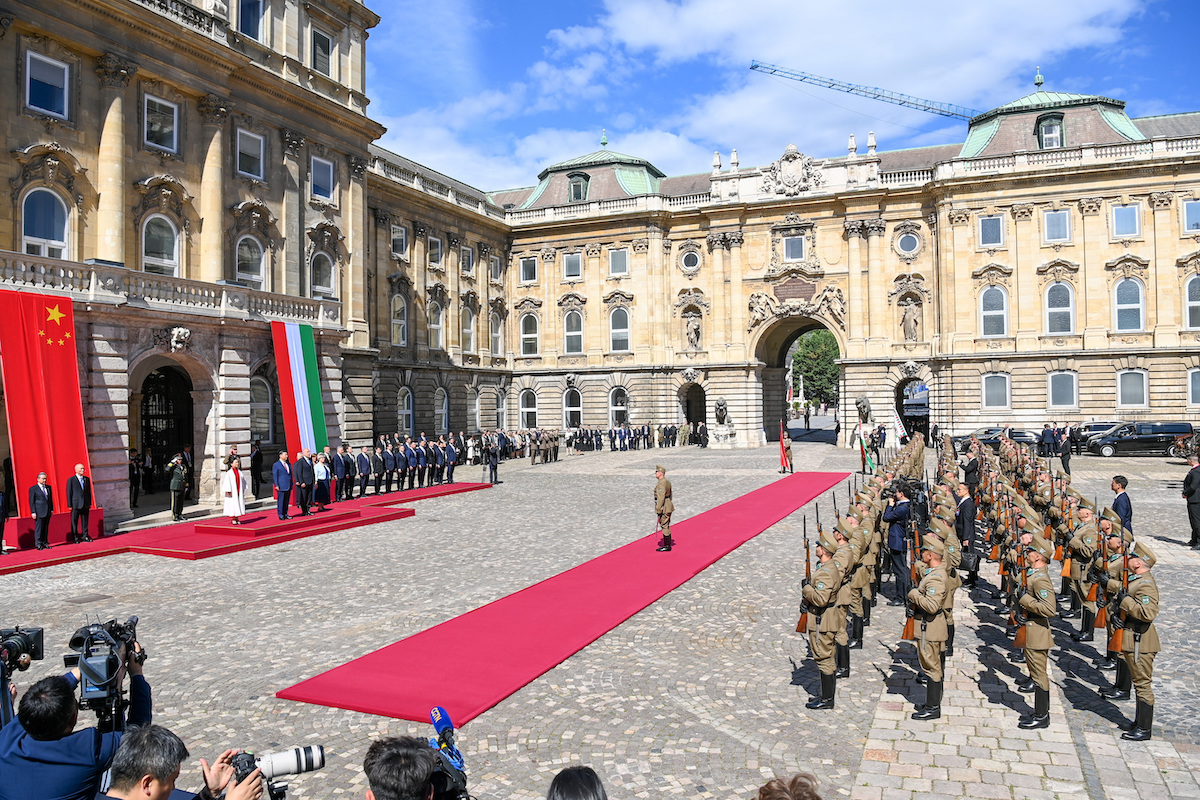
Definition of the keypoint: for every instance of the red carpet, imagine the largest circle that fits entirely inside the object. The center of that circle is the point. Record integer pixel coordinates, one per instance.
(470, 663)
(217, 536)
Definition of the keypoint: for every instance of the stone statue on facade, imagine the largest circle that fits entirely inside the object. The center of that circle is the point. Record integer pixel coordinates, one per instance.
(722, 411)
(864, 409)
(910, 319)
(693, 331)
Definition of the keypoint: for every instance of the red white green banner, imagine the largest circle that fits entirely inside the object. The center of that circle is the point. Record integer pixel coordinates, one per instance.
(299, 387)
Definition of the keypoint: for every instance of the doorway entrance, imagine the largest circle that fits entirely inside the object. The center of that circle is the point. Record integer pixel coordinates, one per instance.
(695, 406)
(912, 406)
(166, 418)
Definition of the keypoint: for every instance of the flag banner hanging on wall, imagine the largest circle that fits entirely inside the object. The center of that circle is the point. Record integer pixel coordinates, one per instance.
(41, 392)
(299, 387)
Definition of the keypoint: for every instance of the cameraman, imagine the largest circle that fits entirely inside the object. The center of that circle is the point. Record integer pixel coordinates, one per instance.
(42, 756)
(147, 765)
(896, 515)
(400, 768)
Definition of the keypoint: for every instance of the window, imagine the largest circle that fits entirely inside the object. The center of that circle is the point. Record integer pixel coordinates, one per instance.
(466, 260)
(793, 248)
(1128, 296)
(1062, 390)
(993, 307)
(497, 335)
(618, 407)
(473, 410)
(1056, 226)
(572, 408)
(262, 410)
(435, 251)
(250, 261)
(322, 274)
(528, 408)
(908, 243)
(1194, 387)
(160, 247)
(995, 391)
(1191, 215)
(250, 16)
(468, 330)
(691, 260)
(577, 189)
(1131, 388)
(1193, 303)
(399, 240)
(618, 262)
(250, 154)
(528, 270)
(1050, 132)
(322, 52)
(322, 178)
(1060, 314)
(44, 224)
(435, 326)
(991, 231)
(572, 265)
(501, 409)
(618, 326)
(399, 321)
(404, 411)
(529, 335)
(441, 412)
(573, 325)
(46, 84)
(161, 124)
(1126, 221)
(494, 268)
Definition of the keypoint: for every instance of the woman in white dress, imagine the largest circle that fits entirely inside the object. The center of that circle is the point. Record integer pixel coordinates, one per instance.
(234, 489)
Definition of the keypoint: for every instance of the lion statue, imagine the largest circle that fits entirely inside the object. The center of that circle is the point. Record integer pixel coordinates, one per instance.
(864, 409)
(722, 411)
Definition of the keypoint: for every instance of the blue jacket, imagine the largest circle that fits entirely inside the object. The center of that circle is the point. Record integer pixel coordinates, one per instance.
(389, 460)
(281, 476)
(421, 459)
(364, 464)
(440, 455)
(897, 515)
(411, 454)
(1124, 510)
(451, 455)
(339, 466)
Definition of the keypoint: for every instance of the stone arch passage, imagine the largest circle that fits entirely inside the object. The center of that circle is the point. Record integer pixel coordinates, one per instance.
(771, 350)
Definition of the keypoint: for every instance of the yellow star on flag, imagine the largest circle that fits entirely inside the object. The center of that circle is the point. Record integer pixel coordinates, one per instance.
(60, 341)
(54, 315)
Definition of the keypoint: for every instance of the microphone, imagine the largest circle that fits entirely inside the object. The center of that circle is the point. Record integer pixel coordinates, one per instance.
(445, 731)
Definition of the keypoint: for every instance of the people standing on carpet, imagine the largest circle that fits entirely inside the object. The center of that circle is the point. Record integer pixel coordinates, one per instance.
(79, 500)
(664, 506)
(281, 479)
(256, 465)
(233, 488)
(177, 483)
(321, 476)
(787, 452)
(451, 461)
(362, 464)
(303, 479)
(41, 505)
(135, 479)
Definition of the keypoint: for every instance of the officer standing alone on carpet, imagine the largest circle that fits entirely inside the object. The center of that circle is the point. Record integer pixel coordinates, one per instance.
(663, 507)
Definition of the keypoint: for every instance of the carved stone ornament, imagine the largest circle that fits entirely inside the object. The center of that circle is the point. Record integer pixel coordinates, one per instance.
(910, 318)
(810, 266)
(254, 217)
(734, 239)
(716, 241)
(1189, 264)
(173, 340)
(993, 273)
(690, 297)
(293, 141)
(863, 404)
(909, 369)
(1161, 201)
(592, 249)
(161, 193)
(548, 255)
(571, 380)
(909, 283)
(420, 230)
(6, 22)
(959, 216)
(1128, 266)
(907, 229)
(572, 301)
(641, 245)
(455, 240)
(49, 163)
(470, 299)
(617, 298)
(113, 70)
(721, 411)
(435, 293)
(854, 228)
(399, 284)
(499, 307)
(484, 249)
(829, 303)
(1022, 211)
(1090, 206)
(792, 173)
(681, 259)
(213, 109)
(690, 375)
(357, 165)
(527, 304)
(1058, 270)
(382, 216)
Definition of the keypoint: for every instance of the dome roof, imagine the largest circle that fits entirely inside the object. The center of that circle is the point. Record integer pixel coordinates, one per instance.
(602, 158)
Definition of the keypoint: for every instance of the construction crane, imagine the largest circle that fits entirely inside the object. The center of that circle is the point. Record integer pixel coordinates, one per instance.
(875, 93)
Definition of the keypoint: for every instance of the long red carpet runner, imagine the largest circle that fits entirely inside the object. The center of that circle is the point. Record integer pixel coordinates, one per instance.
(470, 663)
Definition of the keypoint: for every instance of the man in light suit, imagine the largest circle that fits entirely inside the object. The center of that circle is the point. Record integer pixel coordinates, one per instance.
(281, 479)
(304, 476)
(79, 500)
(41, 505)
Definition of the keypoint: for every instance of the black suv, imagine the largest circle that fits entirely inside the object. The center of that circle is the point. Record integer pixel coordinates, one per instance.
(1139, 437)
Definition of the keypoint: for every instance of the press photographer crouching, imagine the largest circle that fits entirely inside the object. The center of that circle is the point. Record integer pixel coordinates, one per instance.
(147, 766)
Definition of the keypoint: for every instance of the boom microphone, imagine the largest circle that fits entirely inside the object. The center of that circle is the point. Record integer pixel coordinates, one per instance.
(445, 731)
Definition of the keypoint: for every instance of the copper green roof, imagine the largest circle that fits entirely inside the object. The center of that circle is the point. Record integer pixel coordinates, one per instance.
(602, 158)
(978, 138)
(1041, 100)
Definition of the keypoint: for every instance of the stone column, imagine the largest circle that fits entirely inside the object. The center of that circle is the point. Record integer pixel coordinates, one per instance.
(114, 73)
(107, 417)
(233, 403)
(876, 283)
(1092, 309)
(735, 322)
(719, 333)
(962, 320)
(292, 218)
(213, 112)
(856, 327)
(353, 286)
(452, 313)
(1026, 306)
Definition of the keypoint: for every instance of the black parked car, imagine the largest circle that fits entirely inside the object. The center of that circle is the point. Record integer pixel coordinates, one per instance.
(991, 438)
(1139, 437)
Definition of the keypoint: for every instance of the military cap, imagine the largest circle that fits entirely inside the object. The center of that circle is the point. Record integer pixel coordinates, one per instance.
(854, 512)
(661, 469)
(827, 542)
(841, 528)
(1111, 516)
(941, 529)
(1041, 547)
(934, 545)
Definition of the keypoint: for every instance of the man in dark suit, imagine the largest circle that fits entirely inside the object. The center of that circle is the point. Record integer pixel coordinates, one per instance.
(281, 479)
(1191, 493)
(389, 468)
(363, 465)
(964, 525)
(190, 468)
(411, 456)
(338, 465)
(351, 472)
(135, 477)
(79, 500)
(970, 469)
(41, 505)
(304, 477)
(256, 466)
(1120, 503)
(378, 466)
(896, 514)
(493, 462)
(177, 484)
(451, 460)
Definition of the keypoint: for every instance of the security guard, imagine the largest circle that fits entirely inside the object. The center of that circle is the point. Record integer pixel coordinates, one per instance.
(927, 600)
(820, 597)
(1038, 605)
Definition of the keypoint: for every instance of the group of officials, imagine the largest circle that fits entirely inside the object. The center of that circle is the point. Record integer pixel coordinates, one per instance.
(41, 506)
(1007, 508)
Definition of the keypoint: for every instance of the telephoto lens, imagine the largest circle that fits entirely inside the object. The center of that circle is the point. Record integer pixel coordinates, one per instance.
(291, 762)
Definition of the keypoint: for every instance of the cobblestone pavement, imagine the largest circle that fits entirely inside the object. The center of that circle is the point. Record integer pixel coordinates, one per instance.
(700, 695)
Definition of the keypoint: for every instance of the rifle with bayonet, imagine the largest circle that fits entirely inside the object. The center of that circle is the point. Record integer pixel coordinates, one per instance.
(802, 625)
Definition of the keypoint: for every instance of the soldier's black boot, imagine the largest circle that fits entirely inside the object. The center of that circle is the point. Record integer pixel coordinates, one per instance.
(1076, 608)
(855, 635)
(843, 661)
(1041, 711)
(949, 651)
(1142, 722)
(1122, 682)
(866, 617)
(932, 709)
(828, 689)
(1087, 630)
(666, 545)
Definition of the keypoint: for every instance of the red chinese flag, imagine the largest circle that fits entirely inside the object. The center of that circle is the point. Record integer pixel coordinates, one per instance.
(41, 392)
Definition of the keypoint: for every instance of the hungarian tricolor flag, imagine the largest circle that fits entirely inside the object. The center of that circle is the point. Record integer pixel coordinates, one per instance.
(41, 391)
(299, 387)
(862, 446)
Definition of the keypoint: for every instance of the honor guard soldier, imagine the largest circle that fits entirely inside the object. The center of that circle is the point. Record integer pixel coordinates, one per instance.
(927, 599)
(1038, 605)
(820, 597)
(1083, 544)
(1137, 605)
(664, 506)
(847, 560)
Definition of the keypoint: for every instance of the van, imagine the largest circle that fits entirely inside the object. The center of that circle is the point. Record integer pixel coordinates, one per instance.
(1139, 437)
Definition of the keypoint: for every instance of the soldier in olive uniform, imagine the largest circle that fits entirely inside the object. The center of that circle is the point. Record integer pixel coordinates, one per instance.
(847, 559)
(1083, 545)
(1038, 605)
(927, 599)
(663, 506)
(1138, 606)
(820, 597)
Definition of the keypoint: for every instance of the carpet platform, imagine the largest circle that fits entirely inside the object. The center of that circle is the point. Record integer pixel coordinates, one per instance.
(531, 631)
(217, 536)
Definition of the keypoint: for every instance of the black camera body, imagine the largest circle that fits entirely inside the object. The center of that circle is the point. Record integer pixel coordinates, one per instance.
(96, 647)
(296, 761)
(19, 647)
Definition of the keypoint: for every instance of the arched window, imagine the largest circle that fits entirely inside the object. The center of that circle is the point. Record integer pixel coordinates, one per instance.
(573, 327)
(993, 311)
(618, 327)
(322, 274)
(441, 410)
(1050, 132)
(399, 321)
(435, 326)
(1128, 296)
(528, 407)
(44, 224)
(160, 246)
(529, 335)
(1192, 303)
(572, 408)
(501, 409)
(404, 411)
(262, 410)
(1060, 308)
(250, 261)
(995, 392)
(473, 410)
(468, 330)
(618, 407)
(496, 328)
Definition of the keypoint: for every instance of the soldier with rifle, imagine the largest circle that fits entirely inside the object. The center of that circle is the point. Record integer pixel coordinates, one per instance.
(1037, 605)
(820, 596)
(926, 600)
(1136, 598)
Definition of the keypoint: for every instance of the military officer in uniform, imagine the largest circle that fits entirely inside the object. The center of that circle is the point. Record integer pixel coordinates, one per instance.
(1038, 605)
(1083, 545)
(927, 599)
(820, 597)
(847, 559)
(663, 507)
(1138, 607)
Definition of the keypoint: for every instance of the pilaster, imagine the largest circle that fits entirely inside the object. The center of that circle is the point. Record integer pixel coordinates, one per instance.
(214, 111)
(114, 73)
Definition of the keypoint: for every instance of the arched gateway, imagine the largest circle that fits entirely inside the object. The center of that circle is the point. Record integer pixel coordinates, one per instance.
(771, 350)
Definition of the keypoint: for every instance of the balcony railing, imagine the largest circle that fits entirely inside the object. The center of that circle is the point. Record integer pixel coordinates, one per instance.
(116, 286)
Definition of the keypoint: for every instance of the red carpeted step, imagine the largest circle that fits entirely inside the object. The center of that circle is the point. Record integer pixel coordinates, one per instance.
(259, 523)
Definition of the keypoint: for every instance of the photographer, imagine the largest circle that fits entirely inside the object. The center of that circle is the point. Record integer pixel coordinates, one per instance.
(147, 766)
(400, 768)
(41, 753)
(896, 515)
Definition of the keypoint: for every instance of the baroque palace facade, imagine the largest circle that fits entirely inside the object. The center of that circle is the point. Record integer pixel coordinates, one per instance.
(189, 173)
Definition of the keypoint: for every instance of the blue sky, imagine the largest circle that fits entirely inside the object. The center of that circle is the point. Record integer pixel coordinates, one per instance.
(491, 93)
